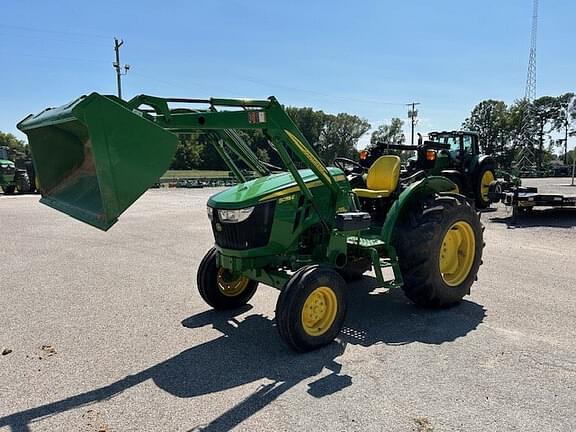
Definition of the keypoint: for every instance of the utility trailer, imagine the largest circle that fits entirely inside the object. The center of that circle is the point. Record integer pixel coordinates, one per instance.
(523, 199)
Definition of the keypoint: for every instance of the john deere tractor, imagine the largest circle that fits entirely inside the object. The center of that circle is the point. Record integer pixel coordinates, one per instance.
(455, 155)
(12, 178)
(303, 231)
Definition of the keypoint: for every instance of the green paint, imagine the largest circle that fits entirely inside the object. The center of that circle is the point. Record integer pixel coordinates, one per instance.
(98, 154)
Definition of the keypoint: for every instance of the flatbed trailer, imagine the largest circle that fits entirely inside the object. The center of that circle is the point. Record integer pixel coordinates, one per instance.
(522, 198)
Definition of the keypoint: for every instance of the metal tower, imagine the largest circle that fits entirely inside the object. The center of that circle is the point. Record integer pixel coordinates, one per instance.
(530, 93)
(526, 160)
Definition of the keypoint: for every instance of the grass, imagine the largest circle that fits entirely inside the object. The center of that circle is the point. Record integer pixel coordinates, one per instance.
(177, 174)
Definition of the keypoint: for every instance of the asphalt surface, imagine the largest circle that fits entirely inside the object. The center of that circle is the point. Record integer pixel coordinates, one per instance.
(108, 333)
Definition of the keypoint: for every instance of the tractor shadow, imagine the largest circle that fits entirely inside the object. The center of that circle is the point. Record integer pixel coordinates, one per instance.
(546, 217)
(387, 317)
(250, 350)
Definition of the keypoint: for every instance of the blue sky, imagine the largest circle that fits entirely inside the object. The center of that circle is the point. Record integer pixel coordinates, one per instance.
(366, 57)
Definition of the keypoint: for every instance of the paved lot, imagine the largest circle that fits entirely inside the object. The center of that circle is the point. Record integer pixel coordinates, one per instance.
(108, 333)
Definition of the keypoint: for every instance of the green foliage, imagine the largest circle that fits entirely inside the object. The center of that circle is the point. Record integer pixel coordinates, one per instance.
(17, 148)
(340, 135)
(330, 135)
(188, 152)
(503, 130)
(311, 123)
(263, 155)
(392, 133)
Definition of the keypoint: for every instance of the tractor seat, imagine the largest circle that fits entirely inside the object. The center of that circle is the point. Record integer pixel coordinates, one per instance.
(382, 178)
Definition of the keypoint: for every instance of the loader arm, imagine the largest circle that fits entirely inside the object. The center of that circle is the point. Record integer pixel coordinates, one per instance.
(96, 155)
(266, 115)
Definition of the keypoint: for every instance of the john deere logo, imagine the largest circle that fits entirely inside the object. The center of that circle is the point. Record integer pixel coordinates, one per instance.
(218, 227)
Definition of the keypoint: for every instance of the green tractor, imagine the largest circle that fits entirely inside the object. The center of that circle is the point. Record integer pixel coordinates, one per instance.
(455, 155)
(14, 179)
(304, 231)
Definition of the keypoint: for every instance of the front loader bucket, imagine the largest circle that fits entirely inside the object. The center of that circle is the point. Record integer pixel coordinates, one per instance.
(94, 157)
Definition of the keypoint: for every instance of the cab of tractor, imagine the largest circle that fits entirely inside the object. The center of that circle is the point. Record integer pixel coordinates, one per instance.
(305, 230)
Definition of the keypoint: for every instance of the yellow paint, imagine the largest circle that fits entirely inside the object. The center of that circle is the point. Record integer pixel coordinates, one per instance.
(457, 253)
(487, 178)
(319, 311)
(231, 288)
(309, 155)
(382, 178)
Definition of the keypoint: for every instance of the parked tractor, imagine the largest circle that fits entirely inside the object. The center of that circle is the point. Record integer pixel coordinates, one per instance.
(301, 231)
(455, 155)
(15, 179)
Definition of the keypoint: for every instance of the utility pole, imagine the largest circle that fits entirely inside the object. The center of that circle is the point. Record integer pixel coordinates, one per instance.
(412, 114)
(118, 67)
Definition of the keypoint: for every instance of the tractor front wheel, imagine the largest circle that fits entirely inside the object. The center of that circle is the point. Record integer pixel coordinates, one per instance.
(439, 248)
(221, 289)
(311, 308)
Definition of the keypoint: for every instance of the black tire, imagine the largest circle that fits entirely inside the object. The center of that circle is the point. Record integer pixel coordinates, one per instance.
(22, 183)
(9, 189)
(484, 177)
(211, 285)
(420, 240)
(495, 191)
(321, 286)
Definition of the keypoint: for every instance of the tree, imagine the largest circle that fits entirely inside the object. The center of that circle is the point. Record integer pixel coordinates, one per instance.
(489, 119)
(566, 115)
(545, 109)
(392, 133)
(17, 147)
(311, 123)
(340, 135)
(188, 152)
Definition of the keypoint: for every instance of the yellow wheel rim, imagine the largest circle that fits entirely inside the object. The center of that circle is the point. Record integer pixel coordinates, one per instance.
(487, 178)
(319, 311)
(457, 253)
(228, 287)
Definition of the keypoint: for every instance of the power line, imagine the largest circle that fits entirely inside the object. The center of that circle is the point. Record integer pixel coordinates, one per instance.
(60, 32)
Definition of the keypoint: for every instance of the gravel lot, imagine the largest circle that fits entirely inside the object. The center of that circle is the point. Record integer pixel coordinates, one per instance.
(107, 333)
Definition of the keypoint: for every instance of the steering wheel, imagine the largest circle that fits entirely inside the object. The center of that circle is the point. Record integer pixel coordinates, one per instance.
(349, 166)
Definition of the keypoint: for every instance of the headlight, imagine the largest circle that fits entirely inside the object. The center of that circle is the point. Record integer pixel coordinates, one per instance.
(210, 212)
(235, 216)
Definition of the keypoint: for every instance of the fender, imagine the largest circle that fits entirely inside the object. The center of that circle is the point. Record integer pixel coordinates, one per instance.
(415, 191)
(487, 160)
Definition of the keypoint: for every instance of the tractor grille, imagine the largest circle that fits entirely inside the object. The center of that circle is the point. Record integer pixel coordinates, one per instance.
(254, 232)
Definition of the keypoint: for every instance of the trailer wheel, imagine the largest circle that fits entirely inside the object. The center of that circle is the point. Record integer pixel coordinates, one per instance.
(22, 183)
(485, 177)
(311, 308)
(219, 288)
(439, 248)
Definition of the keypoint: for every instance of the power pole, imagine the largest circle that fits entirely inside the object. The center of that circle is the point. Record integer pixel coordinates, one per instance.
(119, 67)
(412, 115)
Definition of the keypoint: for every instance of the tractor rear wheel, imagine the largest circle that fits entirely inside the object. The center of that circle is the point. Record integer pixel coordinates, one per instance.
(311, 308)
(439, 248)
(482, 187)
(219, 288)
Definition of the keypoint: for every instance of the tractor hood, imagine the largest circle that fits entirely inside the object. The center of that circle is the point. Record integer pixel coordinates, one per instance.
(267, 188)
